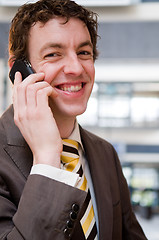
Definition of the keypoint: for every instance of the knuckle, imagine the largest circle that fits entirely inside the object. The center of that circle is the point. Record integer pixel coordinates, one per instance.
(30, 89)
(21, 117)
(17, 119)
(40, 92)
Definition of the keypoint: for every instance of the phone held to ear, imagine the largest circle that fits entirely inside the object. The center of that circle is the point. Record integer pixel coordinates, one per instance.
(22, 66)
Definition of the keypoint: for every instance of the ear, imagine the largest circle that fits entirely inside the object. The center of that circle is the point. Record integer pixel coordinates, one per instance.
(10, 61)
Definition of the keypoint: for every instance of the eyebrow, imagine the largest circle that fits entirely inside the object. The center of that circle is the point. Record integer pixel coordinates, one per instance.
(59, 45)
(86, 43)
(51, 45)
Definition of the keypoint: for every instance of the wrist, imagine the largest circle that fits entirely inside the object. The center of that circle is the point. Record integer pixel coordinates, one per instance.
(49, 158)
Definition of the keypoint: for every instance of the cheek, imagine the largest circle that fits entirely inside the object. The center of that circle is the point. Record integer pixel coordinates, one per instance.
(92, 74)
(50, 72)
(90, 69)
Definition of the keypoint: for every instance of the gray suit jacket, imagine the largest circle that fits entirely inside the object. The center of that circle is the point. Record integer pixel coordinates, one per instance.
(34, 207)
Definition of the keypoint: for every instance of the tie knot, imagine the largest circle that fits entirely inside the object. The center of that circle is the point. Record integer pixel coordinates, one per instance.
(70, 150)
(70, 143)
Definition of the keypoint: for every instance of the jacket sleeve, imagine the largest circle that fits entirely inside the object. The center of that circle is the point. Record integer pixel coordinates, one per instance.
(43, 212)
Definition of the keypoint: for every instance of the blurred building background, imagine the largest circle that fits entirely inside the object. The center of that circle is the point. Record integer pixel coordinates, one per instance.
(124, 106)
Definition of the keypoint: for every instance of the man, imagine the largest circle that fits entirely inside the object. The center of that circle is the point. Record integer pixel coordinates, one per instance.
(39, 200)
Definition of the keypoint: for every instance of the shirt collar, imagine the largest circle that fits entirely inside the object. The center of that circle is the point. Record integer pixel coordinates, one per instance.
(75, 135)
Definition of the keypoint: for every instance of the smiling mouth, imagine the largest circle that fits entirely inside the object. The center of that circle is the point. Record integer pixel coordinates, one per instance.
(71, 88)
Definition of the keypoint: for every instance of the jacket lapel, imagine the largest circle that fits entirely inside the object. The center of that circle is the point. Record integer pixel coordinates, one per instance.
(100, 173)
(16, 146)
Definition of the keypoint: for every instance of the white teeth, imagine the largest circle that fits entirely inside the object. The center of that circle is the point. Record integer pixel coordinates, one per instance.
(72, 88)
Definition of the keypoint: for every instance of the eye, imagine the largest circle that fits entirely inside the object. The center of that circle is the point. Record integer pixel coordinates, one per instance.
(51, 55)
(84, 53)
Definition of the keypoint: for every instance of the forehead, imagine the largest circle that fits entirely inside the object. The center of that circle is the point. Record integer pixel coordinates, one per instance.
(57, 29)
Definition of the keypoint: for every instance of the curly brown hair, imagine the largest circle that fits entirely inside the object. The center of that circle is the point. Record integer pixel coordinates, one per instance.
(43, 11)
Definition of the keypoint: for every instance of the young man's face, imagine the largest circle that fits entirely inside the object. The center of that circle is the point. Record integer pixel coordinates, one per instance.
(64, 52)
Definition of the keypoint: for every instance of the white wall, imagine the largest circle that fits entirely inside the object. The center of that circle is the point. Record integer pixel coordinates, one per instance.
(7, 13)
(138, 12)
(143, 12)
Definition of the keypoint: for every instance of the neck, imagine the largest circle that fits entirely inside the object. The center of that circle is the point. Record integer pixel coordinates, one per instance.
(65, 126)
(64, 123)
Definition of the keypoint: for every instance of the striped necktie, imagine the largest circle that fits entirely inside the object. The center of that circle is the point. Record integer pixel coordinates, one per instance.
(70, 162)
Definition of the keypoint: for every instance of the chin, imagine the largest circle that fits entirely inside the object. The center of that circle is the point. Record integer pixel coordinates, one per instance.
(76, 111)
(70, 109)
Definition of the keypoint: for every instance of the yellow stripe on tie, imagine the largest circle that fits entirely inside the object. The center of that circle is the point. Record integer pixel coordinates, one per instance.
(72, 142)
(67, 159)
(89, 219)
(84, 184)
(70, 167)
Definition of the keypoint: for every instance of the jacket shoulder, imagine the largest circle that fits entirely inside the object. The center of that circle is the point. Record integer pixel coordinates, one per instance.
(89, 136)
(5, 123)
(11, 131)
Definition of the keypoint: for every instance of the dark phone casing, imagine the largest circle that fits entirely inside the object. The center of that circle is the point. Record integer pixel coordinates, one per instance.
(22, 66)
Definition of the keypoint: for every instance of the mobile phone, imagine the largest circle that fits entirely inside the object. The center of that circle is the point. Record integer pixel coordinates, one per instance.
(22, 66)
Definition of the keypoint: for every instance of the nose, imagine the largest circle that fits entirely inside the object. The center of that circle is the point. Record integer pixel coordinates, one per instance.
(73, 65)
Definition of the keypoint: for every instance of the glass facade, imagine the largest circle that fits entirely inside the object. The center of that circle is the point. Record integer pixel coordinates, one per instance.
(123, 104)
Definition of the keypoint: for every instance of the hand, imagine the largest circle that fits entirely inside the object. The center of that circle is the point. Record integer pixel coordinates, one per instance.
(34, 118)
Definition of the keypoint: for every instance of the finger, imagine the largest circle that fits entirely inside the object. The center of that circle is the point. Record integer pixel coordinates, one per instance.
(33, 78)
(42, 96)
(18, 78)
(17, 81)
(54, 93)
(21, 90)
(31, 93)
